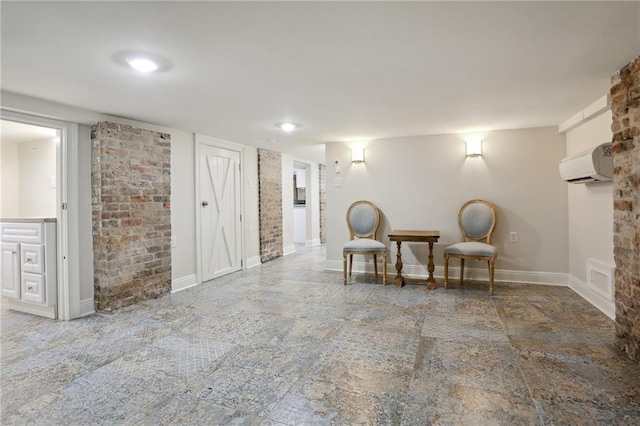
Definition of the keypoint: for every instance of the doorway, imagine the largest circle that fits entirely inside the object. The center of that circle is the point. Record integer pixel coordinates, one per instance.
(219, 211)
(299, 204)
(40, 182)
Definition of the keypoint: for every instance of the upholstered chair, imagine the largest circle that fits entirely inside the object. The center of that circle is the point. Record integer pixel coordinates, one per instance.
(363, 219)
(476, 219)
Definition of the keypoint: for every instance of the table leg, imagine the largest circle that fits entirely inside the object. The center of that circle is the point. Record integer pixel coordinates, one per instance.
(398, 280)
(431, 282)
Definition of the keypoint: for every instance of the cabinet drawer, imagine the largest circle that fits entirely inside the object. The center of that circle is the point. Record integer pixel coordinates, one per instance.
(32, 257)
(31, 233)
(33, 288)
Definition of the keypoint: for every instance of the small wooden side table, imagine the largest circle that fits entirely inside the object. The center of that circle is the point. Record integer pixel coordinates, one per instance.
(414, 236)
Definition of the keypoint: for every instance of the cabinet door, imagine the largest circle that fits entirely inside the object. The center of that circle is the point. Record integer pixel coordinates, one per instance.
(10, 265)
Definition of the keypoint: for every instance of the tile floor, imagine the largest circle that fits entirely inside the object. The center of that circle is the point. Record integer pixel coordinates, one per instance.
(286, 343)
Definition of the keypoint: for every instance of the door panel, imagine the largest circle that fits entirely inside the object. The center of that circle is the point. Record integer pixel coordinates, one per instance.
(220, 211)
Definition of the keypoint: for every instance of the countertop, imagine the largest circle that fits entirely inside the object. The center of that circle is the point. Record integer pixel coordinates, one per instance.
(28, 220)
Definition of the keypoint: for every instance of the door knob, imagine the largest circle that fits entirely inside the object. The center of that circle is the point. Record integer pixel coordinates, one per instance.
(205, 203)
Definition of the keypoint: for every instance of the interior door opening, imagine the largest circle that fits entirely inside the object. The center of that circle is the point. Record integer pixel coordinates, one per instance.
(30, 164)
(48, 287)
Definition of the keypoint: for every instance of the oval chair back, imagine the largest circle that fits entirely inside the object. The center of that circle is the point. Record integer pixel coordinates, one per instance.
(363, 219)
(477, 219)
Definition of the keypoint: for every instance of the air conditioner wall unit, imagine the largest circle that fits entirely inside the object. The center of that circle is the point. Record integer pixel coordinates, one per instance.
(594, 165)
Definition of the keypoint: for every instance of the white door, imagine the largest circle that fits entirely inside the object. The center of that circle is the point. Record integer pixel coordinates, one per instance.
(10, 270)
(220, 211)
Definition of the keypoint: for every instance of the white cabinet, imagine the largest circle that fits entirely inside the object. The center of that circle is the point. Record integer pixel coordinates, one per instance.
(28, 266)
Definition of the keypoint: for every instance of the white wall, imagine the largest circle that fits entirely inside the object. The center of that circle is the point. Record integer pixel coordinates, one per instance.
(590, 215)
(312, 195)
(288, 246)
(10, 176)
(37, 168)
(251, 218)
(421, 182)
(182, 180)
(85, 218)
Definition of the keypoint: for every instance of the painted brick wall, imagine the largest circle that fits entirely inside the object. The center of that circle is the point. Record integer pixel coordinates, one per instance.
(323, 203)
(131, 192)
(625, 106)
(270, 204)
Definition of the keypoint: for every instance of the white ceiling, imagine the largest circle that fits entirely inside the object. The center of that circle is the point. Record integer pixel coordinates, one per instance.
(11, 131)
(344, 70)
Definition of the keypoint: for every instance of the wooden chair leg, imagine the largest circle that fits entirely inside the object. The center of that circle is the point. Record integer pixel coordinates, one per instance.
(446, 270)
(384, 268)
(491, 273)
(461, 271)
(350, 263)
(344, 267)
(375, 265)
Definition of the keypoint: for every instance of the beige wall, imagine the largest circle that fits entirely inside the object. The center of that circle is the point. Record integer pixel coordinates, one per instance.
(421, 182)
(10, 166)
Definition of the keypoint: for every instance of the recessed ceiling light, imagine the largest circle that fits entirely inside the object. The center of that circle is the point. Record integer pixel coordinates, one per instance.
(143, 64)
(288, 127)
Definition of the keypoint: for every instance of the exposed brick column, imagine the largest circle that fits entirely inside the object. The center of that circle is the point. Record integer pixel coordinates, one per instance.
(131, 192)
(625, 106)
(270, 204)
(323, 203)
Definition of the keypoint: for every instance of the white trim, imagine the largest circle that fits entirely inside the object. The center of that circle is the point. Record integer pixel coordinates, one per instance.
(231, 146)
(183, 283)
(32, 308)
(289, 250)
(68, 240)
(252, 262)
(87, 307)
(312, 243)
(607, 271)
(420, 271)
(607, 307)
(600, 105)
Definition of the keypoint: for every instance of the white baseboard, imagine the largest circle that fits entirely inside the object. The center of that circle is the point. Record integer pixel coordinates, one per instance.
(252, 262)
(501, 275)
(605, 306)
(289, 250)
(312, 243)
(183, 283)
(87, 307)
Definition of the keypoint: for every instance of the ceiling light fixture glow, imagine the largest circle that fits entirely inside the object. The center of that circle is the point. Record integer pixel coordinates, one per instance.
(142, 64)
(288, 127)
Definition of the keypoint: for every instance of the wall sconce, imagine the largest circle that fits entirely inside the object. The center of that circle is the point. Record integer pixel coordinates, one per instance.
(474, 147)
(357, 155)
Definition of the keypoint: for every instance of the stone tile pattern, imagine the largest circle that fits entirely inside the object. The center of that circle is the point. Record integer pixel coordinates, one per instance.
(625, 107)
(286, 343)
(131, 199)
(270, 204)
(323, 202)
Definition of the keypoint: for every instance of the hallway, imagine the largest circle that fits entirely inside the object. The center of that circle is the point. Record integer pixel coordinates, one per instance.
(285, 343)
